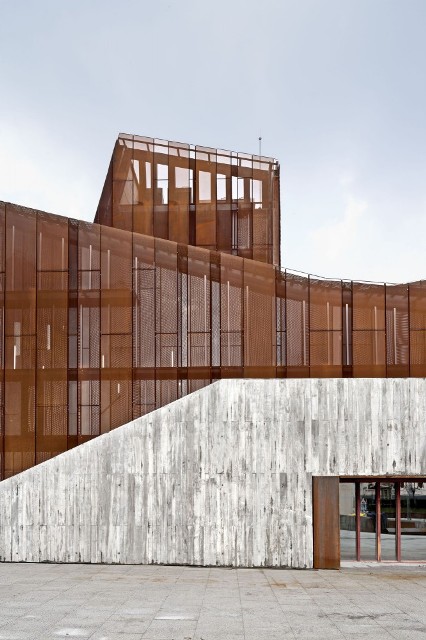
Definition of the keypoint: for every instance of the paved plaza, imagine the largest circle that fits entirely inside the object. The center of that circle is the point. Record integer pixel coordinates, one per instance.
(104, 602)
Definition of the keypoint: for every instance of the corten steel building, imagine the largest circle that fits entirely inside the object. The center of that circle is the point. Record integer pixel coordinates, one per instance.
(176, 285)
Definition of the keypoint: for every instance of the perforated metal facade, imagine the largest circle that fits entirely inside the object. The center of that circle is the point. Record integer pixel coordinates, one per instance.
(101, 324)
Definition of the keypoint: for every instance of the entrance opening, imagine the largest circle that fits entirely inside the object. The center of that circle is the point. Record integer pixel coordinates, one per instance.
(383, 519)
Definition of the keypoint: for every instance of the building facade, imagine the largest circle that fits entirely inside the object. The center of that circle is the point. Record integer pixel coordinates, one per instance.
(177, 284)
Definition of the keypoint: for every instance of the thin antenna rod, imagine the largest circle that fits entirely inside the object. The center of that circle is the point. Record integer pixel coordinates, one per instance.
(260, 145)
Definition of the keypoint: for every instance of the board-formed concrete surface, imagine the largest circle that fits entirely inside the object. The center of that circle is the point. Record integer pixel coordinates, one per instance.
(100, 602)
(220, 477)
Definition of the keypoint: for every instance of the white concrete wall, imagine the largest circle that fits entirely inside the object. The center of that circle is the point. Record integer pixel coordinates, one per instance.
(220, 477)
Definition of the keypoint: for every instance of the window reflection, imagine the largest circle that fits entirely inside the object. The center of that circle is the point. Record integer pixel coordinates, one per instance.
(347, 521)
(413, 521)
(391, 523)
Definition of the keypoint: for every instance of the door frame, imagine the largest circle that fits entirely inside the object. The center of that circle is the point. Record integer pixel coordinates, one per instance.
(326, 516)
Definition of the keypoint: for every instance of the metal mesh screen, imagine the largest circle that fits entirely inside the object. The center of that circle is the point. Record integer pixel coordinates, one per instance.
(195, 195)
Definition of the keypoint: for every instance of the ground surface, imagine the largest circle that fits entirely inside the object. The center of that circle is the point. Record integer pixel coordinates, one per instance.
(102, 602)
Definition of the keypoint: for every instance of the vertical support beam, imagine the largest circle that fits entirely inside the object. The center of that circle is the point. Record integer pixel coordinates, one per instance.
(347, 306)
(326, 522)
(398, 521)
(378, 524)
(358, 519)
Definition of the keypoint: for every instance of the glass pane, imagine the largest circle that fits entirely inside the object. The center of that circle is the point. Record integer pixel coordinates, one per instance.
(388, 507)
(413, 521)
(368, 520)
(347, 521)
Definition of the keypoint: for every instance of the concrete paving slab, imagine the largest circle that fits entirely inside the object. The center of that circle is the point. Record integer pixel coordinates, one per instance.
(104, 602)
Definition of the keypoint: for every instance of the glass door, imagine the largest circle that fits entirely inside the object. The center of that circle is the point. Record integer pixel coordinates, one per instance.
(347, 510)
(388, 521)
(413, 521)
(368, 521)
(383, 520)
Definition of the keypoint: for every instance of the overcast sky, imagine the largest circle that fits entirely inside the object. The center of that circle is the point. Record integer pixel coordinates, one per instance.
(336, 88)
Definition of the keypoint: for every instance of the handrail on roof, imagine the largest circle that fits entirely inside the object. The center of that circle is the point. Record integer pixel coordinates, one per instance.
(236, 154)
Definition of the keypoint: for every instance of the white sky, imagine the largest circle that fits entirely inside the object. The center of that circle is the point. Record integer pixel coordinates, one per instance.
(336, 88)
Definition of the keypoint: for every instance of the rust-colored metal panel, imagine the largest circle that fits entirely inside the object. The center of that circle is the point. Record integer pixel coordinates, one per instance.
(123, 177)
(52, 336)
(297, 330)
(205, 197)
(196, 195)
(325, 503)
(20, 340)
(196, 306)
(281, 320)
(369, 335)
(143, 185)
(88, 331)
(179, 192)
(325, 328)
(417, 326)
(161, 189)
(116, 327)
(231, 309)
(259, 315)
(225, 214)
(397, 331)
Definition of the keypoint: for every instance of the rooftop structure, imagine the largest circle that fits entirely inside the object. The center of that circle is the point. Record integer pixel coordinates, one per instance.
(210, 198)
